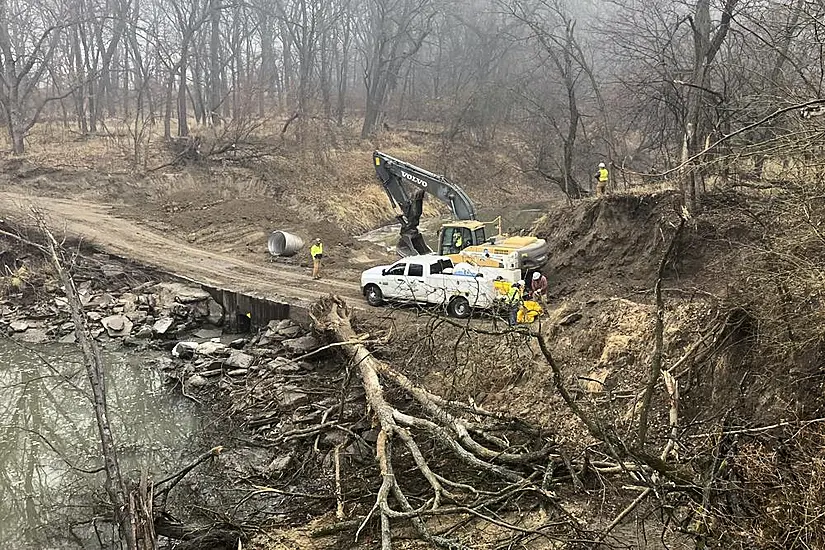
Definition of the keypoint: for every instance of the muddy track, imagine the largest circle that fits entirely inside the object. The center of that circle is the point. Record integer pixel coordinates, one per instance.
(97, 224)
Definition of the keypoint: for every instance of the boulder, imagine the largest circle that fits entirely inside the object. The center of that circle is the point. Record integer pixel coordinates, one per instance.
(69, 338)
(287, 328)
(238, 360)
(117, 325)
(94, 316)
(162, 325)
(145, 332)
(197, 381)
(114, 322)
(211, 348)
(239, 343)
(290, 332)
(129, 302)
(215, 316)
(104, 300)
(19, 326)
(170, 293)
(304, 344)
(184, 350)
(137, 316)
(84, 292)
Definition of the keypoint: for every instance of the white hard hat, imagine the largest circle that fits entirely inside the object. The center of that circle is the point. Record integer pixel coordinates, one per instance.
(601, 165)
(520, 283)
(536, 276)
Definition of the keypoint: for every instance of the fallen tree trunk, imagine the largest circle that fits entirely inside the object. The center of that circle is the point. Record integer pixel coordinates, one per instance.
(447, 430)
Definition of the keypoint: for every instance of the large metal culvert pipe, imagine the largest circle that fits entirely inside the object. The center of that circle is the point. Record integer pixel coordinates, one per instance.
(282, 243)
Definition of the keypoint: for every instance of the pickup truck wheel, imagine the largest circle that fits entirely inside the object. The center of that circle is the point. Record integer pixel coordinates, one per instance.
(459, 307)
(373, 295)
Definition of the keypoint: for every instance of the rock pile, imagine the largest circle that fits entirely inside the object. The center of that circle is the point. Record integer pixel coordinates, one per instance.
(276, 351)
(153, 310)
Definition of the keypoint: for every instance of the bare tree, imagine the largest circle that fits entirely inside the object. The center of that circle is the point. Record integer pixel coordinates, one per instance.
(29, 36)
(392, 35)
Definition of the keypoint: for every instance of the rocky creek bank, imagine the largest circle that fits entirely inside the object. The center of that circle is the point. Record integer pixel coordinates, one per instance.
(267, 394)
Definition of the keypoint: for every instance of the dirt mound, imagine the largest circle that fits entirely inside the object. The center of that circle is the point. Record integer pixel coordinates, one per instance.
(613, 245)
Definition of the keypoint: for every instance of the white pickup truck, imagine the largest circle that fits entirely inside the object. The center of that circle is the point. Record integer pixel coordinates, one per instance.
(432, 279)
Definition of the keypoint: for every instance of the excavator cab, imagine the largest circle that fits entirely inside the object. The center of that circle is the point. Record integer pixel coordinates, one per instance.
(456, 236)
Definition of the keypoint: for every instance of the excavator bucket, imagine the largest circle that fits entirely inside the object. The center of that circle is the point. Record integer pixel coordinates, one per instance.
(412, 245)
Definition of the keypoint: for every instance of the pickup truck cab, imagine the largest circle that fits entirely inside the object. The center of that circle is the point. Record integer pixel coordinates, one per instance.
(432, 279)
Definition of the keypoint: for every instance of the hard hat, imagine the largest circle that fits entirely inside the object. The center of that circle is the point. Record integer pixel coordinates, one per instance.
(318, 240)
(520, 283)
(601, 165)
(536, 276)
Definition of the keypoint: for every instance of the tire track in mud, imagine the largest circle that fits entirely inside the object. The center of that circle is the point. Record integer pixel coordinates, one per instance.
(96, 224)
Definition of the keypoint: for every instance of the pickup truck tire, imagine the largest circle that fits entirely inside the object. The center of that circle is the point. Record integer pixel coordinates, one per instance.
(373, 295)
(459, 307)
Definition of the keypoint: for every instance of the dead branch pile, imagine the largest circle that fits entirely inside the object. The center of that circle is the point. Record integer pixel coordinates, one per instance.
(496, 462)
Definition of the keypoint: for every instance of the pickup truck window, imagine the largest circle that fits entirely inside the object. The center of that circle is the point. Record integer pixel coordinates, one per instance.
(438, 267)
(416, 270)
(397, 269)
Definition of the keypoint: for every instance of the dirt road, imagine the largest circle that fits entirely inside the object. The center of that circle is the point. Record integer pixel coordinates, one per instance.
(97, 224)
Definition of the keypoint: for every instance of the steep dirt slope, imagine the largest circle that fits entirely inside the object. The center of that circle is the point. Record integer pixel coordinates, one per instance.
(612, 246)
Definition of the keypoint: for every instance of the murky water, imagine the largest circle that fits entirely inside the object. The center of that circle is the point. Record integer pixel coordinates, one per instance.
(48, 434)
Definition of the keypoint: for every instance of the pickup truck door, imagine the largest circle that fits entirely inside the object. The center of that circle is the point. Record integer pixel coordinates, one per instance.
(434, 281)
(415, 289)
(393, 283)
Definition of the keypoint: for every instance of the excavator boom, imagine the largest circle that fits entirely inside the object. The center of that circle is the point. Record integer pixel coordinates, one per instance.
(397, 176)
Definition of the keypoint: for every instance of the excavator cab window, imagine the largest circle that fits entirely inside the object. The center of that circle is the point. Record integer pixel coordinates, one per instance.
(455, 239)
(480, 237)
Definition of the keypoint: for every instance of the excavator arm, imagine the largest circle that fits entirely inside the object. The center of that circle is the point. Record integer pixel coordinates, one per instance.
(405, 185)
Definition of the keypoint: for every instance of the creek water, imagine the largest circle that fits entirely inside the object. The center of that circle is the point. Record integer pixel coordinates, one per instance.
(48, 432)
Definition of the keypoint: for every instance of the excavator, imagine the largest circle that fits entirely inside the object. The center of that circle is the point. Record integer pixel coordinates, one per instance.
(464, 239)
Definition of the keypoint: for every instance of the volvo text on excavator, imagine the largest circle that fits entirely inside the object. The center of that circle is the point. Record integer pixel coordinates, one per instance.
(465, 238)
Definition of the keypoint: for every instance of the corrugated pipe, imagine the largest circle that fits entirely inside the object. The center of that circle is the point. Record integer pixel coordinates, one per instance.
(282, 243)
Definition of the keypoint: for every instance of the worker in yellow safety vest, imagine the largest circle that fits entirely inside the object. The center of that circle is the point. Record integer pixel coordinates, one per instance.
(317, 252)
(457, 241)
(602, 176)
(514, 302)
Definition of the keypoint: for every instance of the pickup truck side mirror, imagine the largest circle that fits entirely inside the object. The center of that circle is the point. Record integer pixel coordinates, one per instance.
(383, 272)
